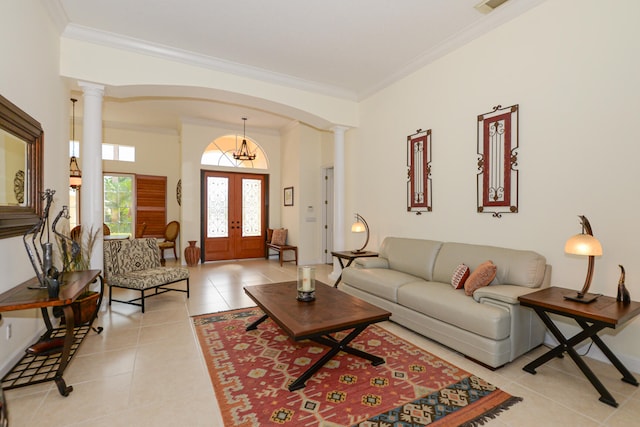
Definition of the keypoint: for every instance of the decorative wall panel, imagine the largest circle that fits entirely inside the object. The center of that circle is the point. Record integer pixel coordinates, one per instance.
(497, 161)
(419, 173)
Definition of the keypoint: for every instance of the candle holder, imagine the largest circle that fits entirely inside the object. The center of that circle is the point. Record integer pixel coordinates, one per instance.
(306, 284)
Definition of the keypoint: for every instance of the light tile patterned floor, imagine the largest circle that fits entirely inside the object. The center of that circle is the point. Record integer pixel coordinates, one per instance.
(147, 370)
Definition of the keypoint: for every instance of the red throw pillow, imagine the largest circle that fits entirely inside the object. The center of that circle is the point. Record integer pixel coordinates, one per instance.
(481, 276)
(460, 276)
(279, 237)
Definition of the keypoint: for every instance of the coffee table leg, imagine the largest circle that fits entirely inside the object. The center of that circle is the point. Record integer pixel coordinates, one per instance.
(335, 348)
(255, 324)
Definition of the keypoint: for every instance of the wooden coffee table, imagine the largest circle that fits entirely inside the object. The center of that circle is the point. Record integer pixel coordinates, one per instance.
(332, 311)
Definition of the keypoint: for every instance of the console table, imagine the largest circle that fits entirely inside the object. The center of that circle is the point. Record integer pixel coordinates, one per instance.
(593, 317)
(41, 367)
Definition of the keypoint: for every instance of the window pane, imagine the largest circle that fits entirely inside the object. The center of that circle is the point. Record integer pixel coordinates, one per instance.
(118, 203)
(108, 152)
(251, 207)
(218, 207)
(126, 153)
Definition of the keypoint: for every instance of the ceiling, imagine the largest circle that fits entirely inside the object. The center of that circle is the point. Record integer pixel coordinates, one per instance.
(347, 48)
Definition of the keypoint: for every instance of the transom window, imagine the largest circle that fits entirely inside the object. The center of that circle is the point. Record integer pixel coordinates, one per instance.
(123, 153)
(220, 153)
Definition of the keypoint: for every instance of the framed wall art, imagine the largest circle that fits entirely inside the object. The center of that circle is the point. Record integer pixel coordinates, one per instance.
(497, 161)
(419, 172)
(288, 196)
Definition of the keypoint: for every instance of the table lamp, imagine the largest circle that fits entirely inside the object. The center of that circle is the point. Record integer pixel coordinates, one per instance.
(360, 226)
(584, 244)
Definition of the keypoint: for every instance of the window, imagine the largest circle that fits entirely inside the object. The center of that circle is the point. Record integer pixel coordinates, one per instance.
(220, 153)
(119, 203)
(123, 153)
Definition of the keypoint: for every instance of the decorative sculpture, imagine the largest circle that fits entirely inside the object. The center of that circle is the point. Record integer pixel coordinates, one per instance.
(623, 293)
(41, 252)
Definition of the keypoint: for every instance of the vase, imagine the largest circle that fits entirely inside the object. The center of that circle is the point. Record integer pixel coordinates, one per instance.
(192, 253)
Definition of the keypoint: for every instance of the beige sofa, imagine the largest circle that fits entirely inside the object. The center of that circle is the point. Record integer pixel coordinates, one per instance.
(412, 279)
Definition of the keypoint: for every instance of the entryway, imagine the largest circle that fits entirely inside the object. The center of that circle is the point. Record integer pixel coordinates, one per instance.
(233, 215)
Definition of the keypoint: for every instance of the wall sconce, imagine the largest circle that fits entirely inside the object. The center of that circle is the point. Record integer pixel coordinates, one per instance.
(584, 244)
(360, 226)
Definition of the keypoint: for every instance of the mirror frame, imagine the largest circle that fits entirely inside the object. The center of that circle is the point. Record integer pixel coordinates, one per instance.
(16, 220)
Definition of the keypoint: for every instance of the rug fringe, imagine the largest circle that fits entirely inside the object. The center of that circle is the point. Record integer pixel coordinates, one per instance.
(492, 413)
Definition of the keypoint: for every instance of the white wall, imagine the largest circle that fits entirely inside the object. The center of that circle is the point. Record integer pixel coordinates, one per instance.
(29, 77)
(573, 68)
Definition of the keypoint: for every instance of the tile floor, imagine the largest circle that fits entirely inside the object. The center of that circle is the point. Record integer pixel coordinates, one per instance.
(147, 370)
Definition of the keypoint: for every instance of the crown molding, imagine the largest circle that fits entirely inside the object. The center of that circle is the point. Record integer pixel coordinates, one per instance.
(78, 32)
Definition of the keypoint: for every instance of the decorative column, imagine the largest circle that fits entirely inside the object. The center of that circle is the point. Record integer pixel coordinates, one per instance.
(338, 195)
(92, 204)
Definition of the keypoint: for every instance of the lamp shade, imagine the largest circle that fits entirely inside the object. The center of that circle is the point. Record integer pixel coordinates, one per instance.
(358, 227)
(583, 244)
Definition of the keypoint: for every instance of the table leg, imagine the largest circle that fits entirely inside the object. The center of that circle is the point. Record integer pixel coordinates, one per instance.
(626, 375)
(335, 347)
(66, 351)
(567, 345)
(255, 324)
(342, 267)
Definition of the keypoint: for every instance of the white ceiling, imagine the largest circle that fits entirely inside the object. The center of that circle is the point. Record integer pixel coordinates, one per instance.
(348, 48)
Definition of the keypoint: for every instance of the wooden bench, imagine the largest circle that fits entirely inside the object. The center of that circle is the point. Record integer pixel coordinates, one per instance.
(281, 249)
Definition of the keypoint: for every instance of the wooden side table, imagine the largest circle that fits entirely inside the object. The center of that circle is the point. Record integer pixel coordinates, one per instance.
(37, 368)
(603, 313)
(350, 256)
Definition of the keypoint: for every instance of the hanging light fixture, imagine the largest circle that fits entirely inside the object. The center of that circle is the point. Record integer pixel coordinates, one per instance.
(243, 153)
(75, 174)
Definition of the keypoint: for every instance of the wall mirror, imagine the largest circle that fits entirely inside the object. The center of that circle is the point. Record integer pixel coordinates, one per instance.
(21, 139)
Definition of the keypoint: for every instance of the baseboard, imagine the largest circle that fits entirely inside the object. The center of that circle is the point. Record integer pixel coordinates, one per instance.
(15, 357)
(631, 363)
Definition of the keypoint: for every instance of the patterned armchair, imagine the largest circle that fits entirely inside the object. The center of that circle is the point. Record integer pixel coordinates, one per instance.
(135, 264)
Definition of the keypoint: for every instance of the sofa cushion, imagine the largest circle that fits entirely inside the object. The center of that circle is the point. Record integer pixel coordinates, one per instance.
(460, 276)
(439, 301)
(150, 278)
(413, 256)
(480, 277)
(381, 282)
(515, 267)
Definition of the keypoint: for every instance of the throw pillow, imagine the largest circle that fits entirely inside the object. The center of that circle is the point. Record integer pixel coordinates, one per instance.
(481, 276)
(460, 276)
(279, 237)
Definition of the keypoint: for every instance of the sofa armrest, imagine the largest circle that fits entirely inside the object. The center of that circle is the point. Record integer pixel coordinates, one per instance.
(504, 293)
(373, 262)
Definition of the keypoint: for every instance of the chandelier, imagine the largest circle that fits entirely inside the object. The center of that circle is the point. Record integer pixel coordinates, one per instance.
(244, 153)
(75, 174)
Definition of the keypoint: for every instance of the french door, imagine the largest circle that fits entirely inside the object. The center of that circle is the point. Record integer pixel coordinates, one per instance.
(234, 215)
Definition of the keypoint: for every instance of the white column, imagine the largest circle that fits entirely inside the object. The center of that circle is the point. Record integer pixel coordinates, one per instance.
(92, 208)
(339, 196)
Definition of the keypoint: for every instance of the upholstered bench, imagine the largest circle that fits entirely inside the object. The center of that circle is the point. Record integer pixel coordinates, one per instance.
(135, 264)
(276, 240)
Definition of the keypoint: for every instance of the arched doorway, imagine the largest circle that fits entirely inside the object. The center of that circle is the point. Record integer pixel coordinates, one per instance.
(234, 204)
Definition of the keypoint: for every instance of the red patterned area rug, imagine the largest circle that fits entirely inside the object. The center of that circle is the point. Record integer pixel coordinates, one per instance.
(250, 372)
